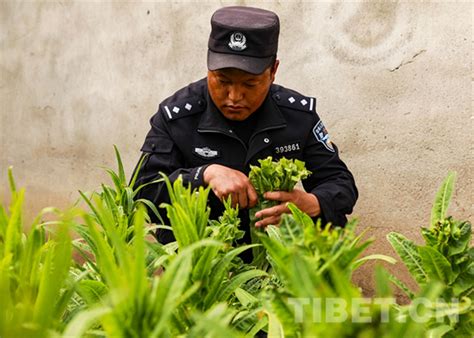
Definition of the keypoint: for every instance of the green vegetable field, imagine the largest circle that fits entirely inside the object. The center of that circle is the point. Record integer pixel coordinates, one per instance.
(122, 283)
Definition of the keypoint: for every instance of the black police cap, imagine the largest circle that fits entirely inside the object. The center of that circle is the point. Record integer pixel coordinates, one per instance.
(245, 38)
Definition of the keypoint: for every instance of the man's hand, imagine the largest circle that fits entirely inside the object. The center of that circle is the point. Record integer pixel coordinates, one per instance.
(304, 201)
(226, 182)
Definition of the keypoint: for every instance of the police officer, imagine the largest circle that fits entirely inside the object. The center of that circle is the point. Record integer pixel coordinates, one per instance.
(212, 130)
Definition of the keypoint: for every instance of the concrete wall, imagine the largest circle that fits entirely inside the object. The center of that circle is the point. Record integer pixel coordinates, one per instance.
(393, 83)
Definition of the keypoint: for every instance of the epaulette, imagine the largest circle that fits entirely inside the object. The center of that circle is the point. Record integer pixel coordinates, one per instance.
(178, 107)
(293, 100)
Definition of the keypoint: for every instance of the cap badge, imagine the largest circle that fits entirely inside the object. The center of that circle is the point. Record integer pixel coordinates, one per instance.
(237, 41)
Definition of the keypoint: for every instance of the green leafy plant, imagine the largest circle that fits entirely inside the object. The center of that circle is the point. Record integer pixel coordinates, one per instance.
(315, 265)
(272, 175)
(188, 212)
(112, 213)
(446, 257)
(319, 247)
(34, 284)
(281, 175)
(135, 303)
(133, 287)
(338, 308)
(128, 285)
(118, 201)
(218, 269)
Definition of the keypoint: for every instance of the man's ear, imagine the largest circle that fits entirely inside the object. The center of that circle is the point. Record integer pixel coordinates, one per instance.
(274, 69)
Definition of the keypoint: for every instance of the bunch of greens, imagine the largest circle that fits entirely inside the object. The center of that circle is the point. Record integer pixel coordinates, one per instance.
(446, 258)
(274, 176)
(277, 176)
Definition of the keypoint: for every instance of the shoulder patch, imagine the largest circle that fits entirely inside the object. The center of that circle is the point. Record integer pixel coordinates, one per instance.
(175, 109)
(294, 100)
(322, 136)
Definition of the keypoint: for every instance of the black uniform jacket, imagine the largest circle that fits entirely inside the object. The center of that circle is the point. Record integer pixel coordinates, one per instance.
(188, 133)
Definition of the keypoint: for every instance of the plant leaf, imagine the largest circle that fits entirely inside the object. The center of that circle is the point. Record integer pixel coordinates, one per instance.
(438, 331)
(237, 281)
(461, 243)
(407, 250)
(436, 265)
(365, 259)
(91, 291)
(275, 328)
(402, 286)
(443, 197)
(381, 282)
(81, 322)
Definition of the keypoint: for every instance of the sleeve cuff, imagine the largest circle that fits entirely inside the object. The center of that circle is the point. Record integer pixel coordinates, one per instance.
(328, 213)
(197, 176)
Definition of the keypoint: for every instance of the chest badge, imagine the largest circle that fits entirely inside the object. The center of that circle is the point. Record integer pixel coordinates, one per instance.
(206, 152)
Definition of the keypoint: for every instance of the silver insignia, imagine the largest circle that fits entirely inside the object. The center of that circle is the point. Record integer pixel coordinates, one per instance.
(206, 152)
(237, 42)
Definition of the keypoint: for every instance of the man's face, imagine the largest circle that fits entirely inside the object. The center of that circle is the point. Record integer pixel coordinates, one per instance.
(238, 94)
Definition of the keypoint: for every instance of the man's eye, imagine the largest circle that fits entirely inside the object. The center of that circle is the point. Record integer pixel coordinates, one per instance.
(222, 81)
(250, 85)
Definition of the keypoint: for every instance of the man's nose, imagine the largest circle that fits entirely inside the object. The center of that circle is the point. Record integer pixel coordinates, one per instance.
(235, 93)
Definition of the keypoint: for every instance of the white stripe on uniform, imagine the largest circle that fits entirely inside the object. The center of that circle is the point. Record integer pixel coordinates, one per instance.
(168, 112)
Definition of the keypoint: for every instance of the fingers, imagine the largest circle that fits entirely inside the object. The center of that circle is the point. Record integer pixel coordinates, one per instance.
(245, 197)
(271, 215)
(242, 200)
(274, 220)
(227, 182)
(281, 196)
(234, 198)
(277, 210)
(252, 196)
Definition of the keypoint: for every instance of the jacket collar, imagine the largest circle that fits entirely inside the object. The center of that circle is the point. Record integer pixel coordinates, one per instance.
(270, 116)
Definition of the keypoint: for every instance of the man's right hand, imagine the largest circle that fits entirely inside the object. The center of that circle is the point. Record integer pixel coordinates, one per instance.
(226, 182)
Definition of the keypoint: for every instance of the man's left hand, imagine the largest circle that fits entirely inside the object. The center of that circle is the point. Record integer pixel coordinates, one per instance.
(306, 202)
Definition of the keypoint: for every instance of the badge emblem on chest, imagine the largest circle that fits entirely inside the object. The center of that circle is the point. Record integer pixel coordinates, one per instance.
(206, 152)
